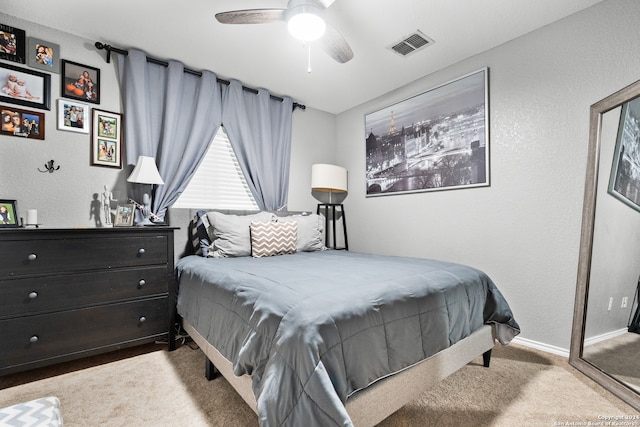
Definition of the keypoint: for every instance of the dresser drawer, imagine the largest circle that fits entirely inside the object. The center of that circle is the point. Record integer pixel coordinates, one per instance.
(69, 253)
(50, 293)
(49, 336)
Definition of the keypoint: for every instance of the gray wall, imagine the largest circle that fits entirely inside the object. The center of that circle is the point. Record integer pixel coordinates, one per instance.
(63, 198)
(524, 229)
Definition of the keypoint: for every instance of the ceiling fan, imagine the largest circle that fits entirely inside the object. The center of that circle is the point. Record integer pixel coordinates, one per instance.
(306, 21)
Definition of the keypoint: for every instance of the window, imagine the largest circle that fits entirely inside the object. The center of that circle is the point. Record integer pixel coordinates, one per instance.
(218, 183)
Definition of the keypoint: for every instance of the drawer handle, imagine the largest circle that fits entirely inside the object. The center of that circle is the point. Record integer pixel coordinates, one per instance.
(141, 283)
(33, 339)
(32, 257)
(142, 319)
(141, 251)
(33, 295)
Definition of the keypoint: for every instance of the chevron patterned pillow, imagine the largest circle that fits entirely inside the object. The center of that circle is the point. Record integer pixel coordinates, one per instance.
(273, 238)
(40, 412)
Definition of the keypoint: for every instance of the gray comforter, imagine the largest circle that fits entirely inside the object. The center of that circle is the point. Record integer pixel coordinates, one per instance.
(314, 327)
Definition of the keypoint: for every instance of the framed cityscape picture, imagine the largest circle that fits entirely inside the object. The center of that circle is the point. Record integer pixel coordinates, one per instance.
(436, 140)
(624, 182)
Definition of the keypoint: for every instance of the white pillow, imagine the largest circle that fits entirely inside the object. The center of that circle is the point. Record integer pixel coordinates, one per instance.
(310, 231)
(231, 234)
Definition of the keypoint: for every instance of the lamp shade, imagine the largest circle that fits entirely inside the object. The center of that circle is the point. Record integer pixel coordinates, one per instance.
(328, 178)
(145, 172)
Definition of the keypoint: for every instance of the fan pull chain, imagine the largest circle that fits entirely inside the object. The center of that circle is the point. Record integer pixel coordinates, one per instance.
(309, 58)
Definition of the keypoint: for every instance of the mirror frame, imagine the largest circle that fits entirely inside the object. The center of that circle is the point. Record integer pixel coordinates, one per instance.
(597, 110)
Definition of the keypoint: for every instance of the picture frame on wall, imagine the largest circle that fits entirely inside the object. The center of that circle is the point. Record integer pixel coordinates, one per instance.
(124, 215)
(106, 139)
(12, 44)
(80, 82)
(22, 123)
(43, 55)
(73, 116)
(624, 182)
(22, 86)
(8, 214)
(436, 140)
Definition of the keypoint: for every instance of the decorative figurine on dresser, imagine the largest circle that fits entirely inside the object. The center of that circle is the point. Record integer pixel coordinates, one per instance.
(72, 293)
(107, 199)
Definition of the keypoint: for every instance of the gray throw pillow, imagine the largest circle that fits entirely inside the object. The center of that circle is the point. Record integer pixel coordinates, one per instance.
(310, 231)
(231, 234)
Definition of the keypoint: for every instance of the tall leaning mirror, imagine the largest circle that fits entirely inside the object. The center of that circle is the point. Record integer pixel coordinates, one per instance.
(605, 343)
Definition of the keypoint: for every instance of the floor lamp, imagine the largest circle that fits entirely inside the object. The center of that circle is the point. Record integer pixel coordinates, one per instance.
(329, 187)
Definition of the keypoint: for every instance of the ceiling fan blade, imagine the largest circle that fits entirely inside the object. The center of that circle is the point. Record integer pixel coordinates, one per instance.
(251, 16)
(336, 46)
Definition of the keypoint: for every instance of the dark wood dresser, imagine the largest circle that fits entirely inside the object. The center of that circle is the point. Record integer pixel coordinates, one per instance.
(72, 293)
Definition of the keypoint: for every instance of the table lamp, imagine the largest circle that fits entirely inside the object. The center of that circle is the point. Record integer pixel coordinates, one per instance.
(145, 172)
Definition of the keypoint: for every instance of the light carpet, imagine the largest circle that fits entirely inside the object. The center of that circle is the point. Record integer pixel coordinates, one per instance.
(618, 357)
(148, 386)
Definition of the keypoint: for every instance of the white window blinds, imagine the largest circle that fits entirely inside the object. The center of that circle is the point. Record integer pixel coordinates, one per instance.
(218, 183)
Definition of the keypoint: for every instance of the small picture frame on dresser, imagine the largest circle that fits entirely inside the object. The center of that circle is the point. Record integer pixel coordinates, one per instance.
(8, 214)
(124, 215)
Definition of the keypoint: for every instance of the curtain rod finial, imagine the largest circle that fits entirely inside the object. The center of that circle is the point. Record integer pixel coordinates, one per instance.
(106, 47)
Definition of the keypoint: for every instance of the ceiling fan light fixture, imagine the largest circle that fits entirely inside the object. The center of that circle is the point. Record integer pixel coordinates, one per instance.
(305, 22)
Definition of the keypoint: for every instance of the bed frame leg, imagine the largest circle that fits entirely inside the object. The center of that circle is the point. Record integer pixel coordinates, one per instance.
(210, 370)
(486, 358)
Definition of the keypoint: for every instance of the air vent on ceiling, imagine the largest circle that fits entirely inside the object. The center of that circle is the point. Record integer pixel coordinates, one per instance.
(412, 43)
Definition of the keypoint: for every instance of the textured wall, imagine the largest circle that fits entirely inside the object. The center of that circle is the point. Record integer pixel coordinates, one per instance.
(523, 230)
(63, 198)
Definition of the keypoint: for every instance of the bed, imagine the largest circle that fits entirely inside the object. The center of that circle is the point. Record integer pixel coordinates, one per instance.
(320, 337)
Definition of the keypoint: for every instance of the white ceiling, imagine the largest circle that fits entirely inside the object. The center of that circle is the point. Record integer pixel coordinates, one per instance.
(266, 56)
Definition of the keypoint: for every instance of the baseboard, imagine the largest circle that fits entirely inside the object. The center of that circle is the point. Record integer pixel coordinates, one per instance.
(604, 337)
(541, 346)
(562, 351)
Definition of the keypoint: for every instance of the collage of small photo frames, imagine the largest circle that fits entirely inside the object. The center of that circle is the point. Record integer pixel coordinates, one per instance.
(26, 93)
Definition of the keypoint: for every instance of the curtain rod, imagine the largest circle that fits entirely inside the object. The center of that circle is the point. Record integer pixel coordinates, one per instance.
(125, 52)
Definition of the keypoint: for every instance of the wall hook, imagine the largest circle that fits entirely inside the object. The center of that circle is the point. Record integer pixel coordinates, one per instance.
(49, 167)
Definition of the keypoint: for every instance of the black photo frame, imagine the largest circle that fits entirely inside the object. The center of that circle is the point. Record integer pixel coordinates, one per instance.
(34, 92)
(80, 82)
(106, 139)
(12, 44)
(9, 214)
